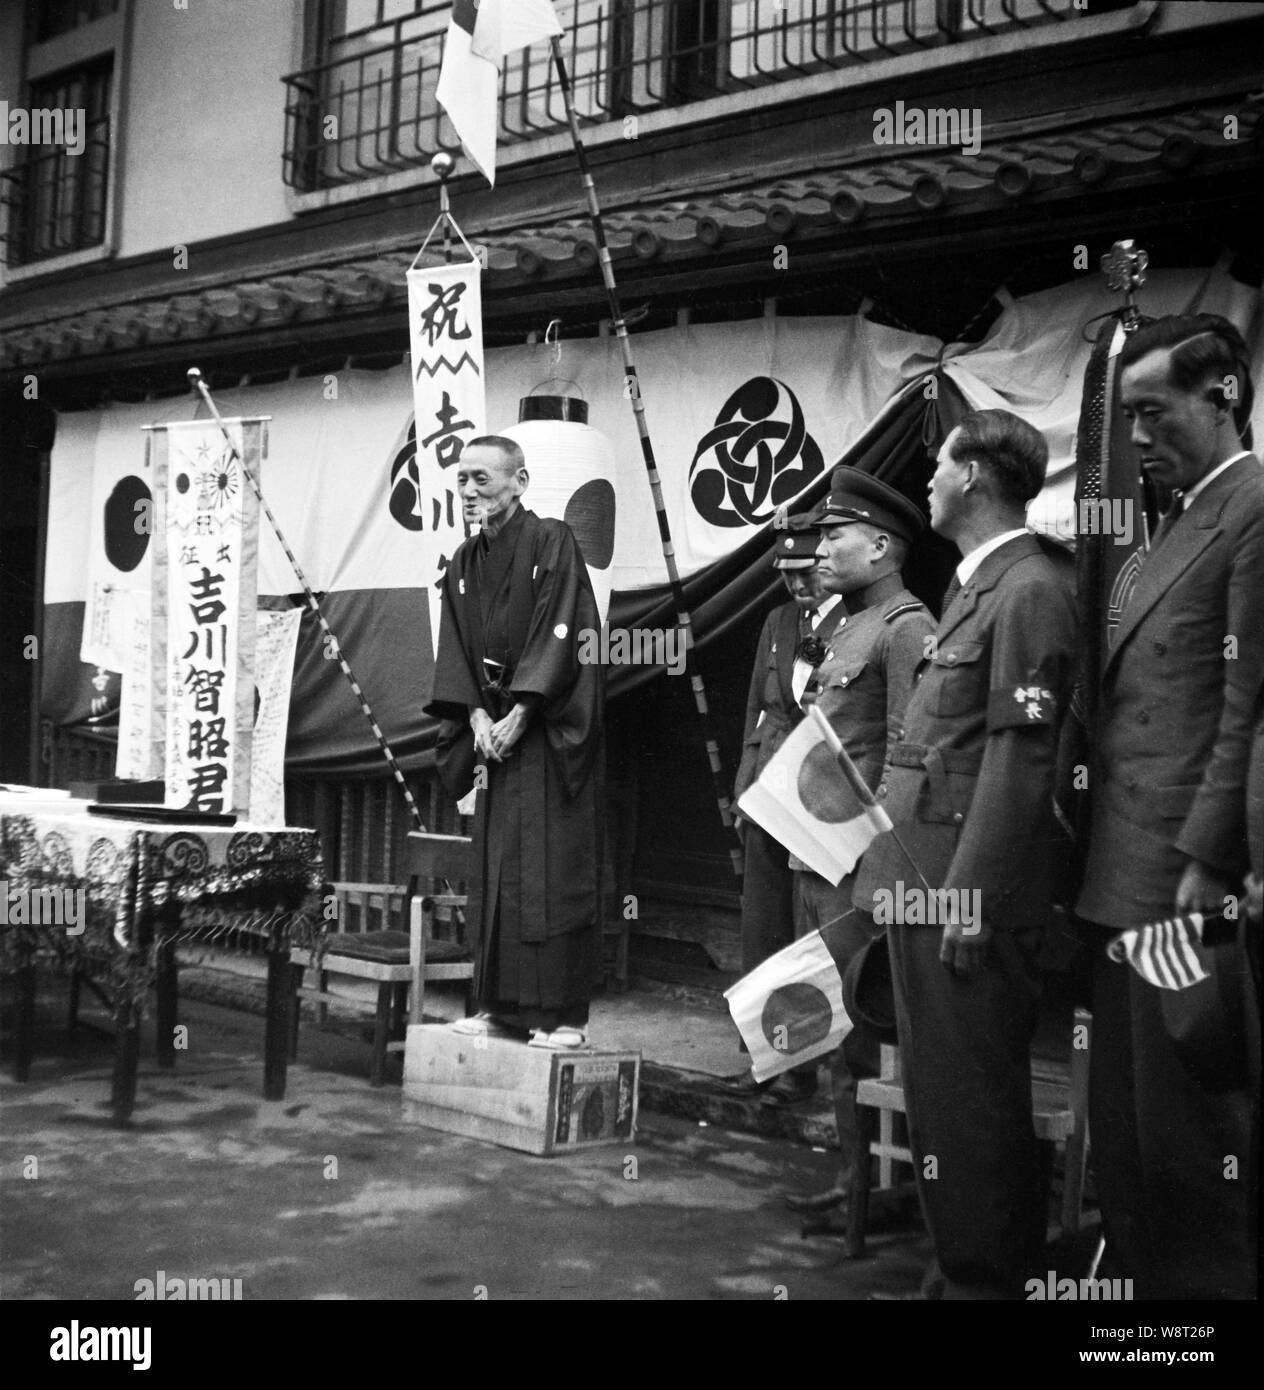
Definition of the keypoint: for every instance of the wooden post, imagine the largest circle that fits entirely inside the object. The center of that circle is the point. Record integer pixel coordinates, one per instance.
(296, 983)
(276, 1039)
(24, 1039)
(381, 1033)
(72, 1001)
(126, 1058)
(168, 1002)
(861, 1180)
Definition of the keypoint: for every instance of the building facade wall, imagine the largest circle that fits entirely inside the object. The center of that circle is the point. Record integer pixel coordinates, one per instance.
(205, 121)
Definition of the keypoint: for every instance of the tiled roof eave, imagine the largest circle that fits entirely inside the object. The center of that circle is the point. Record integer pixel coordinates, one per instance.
(862, 202)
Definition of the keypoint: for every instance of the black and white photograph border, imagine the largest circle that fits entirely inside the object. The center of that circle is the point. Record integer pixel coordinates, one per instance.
(581, 394)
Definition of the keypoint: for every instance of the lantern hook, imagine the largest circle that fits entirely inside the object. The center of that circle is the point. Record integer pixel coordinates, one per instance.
(553, 339)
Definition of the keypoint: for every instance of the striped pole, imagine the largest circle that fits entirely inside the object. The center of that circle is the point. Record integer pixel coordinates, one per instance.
(199, 385)
(860, 789)
(683, 618)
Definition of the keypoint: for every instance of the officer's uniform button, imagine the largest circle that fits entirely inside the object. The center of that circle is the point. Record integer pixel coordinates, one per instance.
(957, 818)
(951, 658)
(844, 680)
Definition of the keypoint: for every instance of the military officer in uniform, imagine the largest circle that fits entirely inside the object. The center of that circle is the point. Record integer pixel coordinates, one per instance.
(865, 529)
(969, 786)
(791, 645)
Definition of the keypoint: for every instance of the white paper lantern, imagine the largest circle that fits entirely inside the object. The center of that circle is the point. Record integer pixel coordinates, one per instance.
(572, 478)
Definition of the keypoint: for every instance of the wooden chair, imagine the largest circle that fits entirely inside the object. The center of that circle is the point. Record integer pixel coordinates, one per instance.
(401, 958)
(1059, 1115)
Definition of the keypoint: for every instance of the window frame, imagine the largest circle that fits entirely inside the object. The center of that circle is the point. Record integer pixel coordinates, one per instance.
(104, 38)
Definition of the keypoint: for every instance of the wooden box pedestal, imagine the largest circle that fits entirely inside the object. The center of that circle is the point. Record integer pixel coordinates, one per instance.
(528, 1098)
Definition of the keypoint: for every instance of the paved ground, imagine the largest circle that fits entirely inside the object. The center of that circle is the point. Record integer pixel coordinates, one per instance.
(330, 1194)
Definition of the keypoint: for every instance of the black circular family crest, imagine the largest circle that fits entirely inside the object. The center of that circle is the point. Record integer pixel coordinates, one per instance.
(405, 501)
(758, 456)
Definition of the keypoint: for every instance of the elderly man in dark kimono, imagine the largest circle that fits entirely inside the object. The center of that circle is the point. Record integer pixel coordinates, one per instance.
(522, 722)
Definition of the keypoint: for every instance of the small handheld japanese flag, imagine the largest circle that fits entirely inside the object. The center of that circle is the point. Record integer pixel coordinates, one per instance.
(812, 799)
(790, 1008)
(478, 39)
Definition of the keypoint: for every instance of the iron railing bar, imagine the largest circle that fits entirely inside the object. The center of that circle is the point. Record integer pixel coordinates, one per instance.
(814, 33)
(655, 62)
(622, 54)
(397, 67)
(977, 20)
(785, 43)
(341, 139)
(415, 122)
(875, 10)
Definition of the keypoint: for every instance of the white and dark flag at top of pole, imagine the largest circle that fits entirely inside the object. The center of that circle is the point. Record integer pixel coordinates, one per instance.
(479, 36)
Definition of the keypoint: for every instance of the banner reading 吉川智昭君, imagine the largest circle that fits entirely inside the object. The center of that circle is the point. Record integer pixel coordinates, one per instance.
(445, 326)
(203, 632)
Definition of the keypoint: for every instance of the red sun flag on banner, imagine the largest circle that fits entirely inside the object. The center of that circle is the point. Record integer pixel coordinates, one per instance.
(479, 38)
(812, 799)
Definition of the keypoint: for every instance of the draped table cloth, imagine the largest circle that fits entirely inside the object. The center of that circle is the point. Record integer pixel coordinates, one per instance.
(110, 898)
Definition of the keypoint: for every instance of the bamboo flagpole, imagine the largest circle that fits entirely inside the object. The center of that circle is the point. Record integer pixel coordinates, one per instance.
(683, 617)
(201, 388)
(860, 789)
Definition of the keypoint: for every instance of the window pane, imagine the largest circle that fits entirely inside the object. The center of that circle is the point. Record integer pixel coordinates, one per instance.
(53, 17)
(355, 16)
(61, 202)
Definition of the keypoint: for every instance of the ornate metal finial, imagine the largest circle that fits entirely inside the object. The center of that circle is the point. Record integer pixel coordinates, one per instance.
(1124, 266)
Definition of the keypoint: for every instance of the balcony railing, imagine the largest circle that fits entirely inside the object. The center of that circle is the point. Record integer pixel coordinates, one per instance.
(55, 200)
(368, 107)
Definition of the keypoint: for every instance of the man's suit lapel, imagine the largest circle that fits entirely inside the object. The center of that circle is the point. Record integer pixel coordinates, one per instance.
(1161, 569)
(983, 579)
(787, 639)
(1165, 564)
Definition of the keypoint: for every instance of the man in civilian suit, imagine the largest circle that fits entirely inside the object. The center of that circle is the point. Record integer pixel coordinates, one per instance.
(791, 646)
(969, 786)
(1172, 1122)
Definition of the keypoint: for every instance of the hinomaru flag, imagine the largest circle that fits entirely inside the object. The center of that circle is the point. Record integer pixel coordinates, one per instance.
(479, 38)
(813, 801)
(445, 324)
(789, 1009)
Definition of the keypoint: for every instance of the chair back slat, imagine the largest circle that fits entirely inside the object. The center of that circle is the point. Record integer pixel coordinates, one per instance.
(437, 856)
(359, 904)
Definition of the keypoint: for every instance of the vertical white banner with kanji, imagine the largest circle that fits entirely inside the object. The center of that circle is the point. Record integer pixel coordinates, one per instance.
(140, 754)
(275, 646)
(445, 325)
(204, 594)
